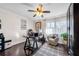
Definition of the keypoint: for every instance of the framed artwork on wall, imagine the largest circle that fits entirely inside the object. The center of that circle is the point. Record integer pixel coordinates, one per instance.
(38, 26)
(23, 24)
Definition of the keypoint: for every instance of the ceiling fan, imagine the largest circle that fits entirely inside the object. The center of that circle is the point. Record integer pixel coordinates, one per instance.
(39, 11)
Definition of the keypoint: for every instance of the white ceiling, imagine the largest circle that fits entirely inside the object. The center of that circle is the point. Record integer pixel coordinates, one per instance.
(21, 9)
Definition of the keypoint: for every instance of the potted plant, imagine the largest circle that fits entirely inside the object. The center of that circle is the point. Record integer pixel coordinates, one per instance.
(65, 37)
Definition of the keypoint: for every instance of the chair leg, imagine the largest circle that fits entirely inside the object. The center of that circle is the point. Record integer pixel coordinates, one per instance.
(25, 44)
(36, 45)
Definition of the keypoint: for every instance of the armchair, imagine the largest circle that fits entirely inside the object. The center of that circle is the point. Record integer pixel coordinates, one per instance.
(53, 39)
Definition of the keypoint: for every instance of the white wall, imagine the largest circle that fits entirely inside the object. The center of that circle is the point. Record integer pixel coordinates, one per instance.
(11, 27)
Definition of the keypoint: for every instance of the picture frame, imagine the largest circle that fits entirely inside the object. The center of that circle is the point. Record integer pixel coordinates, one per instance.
(38, 26)
(23, 24)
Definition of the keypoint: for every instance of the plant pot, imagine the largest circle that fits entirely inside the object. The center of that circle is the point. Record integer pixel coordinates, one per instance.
(65, 42)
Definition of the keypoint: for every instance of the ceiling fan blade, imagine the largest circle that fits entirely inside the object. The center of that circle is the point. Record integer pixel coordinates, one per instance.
(46, 11)
(34, 15)
(31, 10)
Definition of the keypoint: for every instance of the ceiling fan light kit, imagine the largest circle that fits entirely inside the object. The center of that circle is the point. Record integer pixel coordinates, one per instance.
(39, 10)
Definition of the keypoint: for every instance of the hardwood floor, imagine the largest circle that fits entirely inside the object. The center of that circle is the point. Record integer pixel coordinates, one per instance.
(18, 50)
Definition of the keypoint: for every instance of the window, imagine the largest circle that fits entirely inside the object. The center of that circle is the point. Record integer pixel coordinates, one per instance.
(61, 26)
(50, 28)
(56, 27)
